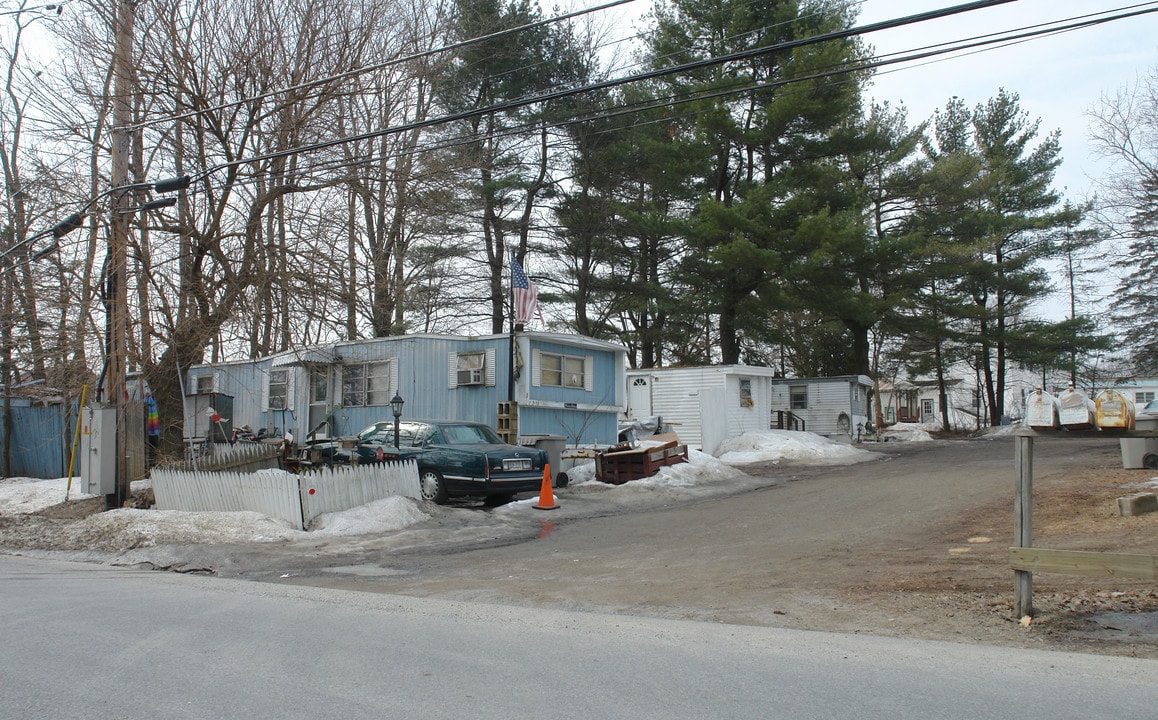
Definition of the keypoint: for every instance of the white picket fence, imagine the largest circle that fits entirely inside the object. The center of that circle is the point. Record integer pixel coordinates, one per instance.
(297, 499)
(244, 457)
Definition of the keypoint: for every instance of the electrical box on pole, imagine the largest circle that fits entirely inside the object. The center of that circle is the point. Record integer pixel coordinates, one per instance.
(98, 450)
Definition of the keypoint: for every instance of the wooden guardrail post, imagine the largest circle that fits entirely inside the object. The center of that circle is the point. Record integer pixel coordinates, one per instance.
(1023, 521)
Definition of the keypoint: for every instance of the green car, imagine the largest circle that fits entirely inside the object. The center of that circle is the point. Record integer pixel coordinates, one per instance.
(455, 458)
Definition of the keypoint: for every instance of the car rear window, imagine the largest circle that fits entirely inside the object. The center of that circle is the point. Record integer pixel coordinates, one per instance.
(468, 434)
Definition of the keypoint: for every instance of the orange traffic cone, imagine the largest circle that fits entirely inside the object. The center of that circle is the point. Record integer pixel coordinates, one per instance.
(546, 496)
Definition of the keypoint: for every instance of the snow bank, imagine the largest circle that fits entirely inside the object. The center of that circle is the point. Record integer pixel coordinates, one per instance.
(20, 496)
(776, 445)
(908, 432)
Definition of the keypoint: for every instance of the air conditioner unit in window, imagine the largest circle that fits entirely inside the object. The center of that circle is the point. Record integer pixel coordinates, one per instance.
(470, 377)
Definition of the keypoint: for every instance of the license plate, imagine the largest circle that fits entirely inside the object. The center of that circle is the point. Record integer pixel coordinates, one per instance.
(511, 464)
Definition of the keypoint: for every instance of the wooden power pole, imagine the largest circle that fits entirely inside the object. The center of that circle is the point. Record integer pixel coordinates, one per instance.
(116, 294)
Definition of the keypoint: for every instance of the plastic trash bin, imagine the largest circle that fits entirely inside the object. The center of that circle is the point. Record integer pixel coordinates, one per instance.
(1139, 453)
(553, 445)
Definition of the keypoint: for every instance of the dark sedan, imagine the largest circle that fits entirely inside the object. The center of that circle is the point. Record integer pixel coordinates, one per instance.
(455, 458)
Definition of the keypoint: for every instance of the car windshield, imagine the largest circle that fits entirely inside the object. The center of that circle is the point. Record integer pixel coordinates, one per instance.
(469, 434)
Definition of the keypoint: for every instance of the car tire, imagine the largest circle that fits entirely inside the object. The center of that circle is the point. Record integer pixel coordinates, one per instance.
(432, 486)
(561, 480)
(1150, 461)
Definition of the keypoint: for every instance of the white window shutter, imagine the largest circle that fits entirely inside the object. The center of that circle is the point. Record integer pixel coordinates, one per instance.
(452, 371)
(265, 393)
(290, 375)
(490, 367)
(394, 375)
(589, 373)
(536, 367)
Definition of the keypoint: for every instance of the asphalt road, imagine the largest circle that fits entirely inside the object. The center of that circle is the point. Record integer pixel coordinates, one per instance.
(88, 641)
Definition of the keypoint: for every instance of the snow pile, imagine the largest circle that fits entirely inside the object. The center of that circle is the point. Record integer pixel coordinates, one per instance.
(777, 445)
(700, 469)
(908, 432)
(147, 528)
(386, 515)
(19, 496)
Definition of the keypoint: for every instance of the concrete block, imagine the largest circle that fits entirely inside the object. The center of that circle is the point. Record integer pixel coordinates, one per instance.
(1139, 504)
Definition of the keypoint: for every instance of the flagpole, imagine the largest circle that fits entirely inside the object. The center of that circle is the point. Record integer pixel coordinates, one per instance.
(511, 343)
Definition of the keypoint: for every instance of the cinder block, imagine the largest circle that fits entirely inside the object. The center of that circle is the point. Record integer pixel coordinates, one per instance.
(1139, 504)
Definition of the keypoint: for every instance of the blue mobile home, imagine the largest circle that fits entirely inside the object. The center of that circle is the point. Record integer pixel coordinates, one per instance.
(561, 385)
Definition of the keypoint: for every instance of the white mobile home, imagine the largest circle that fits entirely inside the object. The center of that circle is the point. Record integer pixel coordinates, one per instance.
(706, 405)
(836, 407)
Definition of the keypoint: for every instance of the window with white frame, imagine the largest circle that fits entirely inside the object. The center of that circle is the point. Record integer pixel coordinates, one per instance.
(746, 393)
(798, 397)
(1142, 398)
(563, 370)
(278, 389)
(204, 384)
(470, 368)
(319, 384)
(366, 384)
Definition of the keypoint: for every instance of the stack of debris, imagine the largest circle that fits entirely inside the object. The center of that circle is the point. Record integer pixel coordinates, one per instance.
(624, 462)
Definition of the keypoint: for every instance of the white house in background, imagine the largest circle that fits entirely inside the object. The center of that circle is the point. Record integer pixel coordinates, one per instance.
(836, 407)
(1140, 390)
(917, 400)
(709, 404)
(705, 404)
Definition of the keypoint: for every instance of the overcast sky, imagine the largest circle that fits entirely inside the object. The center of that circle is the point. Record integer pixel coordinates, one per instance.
(1058, 77)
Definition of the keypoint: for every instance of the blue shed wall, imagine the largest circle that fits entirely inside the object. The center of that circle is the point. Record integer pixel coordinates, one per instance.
(41, 440)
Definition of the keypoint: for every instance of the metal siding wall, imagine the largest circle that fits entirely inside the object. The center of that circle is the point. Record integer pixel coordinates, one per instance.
(675, 396)
(40, 444)
(591, 428)
(422, 383)
(747, 419)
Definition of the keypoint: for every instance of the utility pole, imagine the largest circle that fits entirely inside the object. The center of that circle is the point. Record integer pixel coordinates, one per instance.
(116, 294)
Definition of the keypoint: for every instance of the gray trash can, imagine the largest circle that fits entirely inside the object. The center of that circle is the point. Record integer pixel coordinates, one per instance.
(553, 445)
(1138, 453)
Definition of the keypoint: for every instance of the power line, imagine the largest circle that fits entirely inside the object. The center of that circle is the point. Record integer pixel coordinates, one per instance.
(388, 63)
(616, 82)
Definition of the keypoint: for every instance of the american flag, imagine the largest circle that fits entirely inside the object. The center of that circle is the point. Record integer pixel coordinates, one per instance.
(525, 297)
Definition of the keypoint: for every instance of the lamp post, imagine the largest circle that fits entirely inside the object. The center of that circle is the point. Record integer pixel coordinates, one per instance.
(396, 405)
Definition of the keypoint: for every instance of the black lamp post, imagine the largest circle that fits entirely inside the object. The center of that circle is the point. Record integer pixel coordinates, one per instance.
(396, 405)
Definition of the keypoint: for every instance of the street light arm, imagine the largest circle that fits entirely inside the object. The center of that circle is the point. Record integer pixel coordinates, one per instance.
(76, 220)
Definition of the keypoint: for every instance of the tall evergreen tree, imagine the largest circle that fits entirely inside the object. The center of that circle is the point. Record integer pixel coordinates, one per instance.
(767, 142)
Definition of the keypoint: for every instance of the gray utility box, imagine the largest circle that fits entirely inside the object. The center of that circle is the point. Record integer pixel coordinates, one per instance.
(553, 445)
(98, 451)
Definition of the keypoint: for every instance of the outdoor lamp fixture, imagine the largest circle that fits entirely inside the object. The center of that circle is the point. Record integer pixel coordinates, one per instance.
(157, 204)
(396, 405)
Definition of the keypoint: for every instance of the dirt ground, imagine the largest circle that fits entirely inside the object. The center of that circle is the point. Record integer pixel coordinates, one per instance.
(914, 544)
